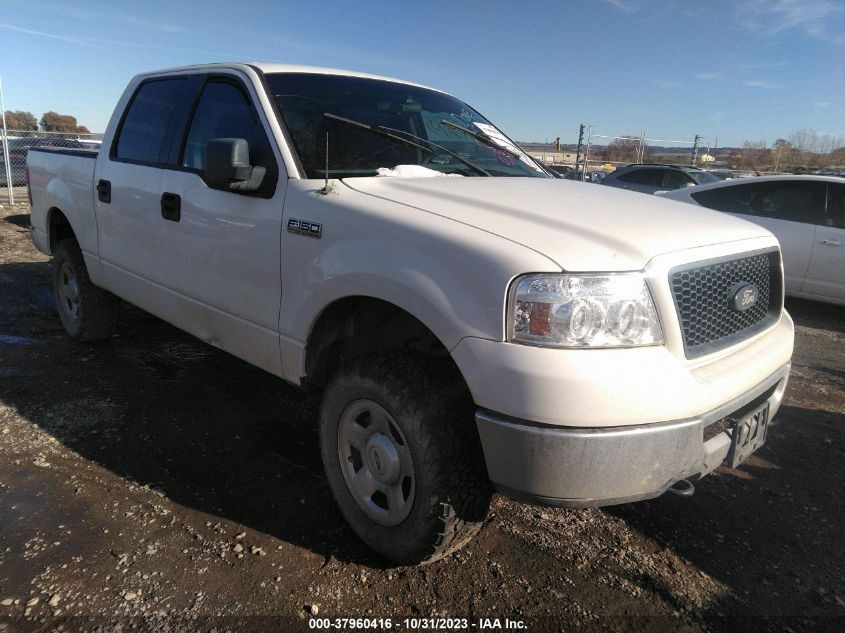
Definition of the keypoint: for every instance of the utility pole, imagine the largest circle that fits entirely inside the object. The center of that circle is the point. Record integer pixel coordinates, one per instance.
(642, 147)
(6, 164)
(695, 149)
(587, 153)
(578, 150)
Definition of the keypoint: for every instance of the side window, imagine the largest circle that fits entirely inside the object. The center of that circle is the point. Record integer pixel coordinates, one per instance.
(794, 201)
(835, 206)
(224, 111)
(644, 177)
(675, 179)
(731, 199)
(145, 123)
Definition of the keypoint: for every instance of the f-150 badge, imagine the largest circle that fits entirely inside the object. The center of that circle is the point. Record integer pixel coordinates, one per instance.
(304, 227)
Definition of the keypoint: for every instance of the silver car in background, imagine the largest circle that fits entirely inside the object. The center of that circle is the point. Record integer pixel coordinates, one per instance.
(806, 214)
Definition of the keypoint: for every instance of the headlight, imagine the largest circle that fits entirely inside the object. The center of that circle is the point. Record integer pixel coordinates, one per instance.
(583, 311)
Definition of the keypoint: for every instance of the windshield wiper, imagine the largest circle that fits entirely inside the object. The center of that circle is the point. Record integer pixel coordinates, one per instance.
(386, 132)
(375, 129)
(481, 136)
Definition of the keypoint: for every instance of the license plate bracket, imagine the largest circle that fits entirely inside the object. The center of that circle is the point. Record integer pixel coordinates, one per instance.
(748, 433)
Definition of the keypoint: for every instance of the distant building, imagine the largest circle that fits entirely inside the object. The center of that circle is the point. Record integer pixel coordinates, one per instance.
(554, 158)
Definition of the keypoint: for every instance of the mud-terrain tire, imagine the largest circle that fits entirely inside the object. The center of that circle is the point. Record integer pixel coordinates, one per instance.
(429, 414)
(88, 313)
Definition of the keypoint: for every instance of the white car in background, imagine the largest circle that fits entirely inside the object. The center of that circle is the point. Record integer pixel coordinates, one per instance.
(806, 214)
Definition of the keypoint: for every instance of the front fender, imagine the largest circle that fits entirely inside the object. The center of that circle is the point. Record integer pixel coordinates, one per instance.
(450, 276)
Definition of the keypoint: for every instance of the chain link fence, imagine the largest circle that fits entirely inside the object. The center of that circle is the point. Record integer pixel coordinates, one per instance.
(14, 146)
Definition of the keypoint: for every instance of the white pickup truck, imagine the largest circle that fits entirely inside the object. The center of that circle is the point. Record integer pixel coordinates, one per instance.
(470, 322)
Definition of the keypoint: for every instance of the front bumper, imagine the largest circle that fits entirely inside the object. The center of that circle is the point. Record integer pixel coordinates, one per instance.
(580, 467)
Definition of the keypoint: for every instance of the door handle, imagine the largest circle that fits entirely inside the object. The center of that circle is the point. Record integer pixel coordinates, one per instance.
(171, 206)
(104, 191)
(830, 243)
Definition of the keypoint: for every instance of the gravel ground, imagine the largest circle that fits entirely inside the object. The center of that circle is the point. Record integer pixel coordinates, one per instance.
(155, 483)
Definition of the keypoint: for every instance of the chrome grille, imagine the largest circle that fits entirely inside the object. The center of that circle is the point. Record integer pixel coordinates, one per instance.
(702, 298)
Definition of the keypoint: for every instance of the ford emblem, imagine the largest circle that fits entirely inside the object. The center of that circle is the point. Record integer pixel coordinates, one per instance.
(743, 296)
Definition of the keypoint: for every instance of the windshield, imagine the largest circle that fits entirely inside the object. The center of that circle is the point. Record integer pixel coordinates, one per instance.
(702, 177)
(445, 134)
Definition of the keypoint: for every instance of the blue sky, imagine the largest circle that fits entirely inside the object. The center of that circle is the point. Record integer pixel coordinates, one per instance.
(729, 69)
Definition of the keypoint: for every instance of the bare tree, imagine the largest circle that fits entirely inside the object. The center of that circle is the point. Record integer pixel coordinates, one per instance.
(803, 150)
(754, 156)
(623, 149)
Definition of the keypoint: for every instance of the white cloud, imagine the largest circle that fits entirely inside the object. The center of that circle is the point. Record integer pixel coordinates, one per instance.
(758, 83)
(812, 17)
(761, 65)
(100, 14)
(626, 6)
(667, 83)
(52, 36)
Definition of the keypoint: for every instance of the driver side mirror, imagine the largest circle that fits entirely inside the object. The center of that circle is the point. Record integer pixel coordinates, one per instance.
(227, 166)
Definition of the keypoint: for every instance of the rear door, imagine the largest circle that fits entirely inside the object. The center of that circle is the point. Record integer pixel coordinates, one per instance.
(788, 208)
(223, 246)
(646, 180)
(826, 274)
(129, 224)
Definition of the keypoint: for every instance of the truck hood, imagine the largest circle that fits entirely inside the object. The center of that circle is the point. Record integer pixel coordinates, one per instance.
(581, 227)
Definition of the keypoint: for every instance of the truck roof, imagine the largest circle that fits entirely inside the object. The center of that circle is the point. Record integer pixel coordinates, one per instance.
(269, 67)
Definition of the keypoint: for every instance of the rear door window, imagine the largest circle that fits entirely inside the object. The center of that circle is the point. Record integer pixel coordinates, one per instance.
(732, 199)
(143, 131)
(793, 201)
(652, 177)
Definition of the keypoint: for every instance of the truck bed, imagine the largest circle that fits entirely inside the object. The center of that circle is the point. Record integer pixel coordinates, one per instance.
(63, 178)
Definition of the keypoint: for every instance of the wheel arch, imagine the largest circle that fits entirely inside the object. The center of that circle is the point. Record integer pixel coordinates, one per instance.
(352, 326)
(58, 227)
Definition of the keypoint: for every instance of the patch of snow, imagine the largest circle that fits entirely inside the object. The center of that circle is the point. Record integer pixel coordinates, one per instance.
(412, 171)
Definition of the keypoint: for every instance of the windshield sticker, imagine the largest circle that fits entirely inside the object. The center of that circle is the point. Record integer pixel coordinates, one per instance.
(497, 137)
(505, 157)
(436, 131)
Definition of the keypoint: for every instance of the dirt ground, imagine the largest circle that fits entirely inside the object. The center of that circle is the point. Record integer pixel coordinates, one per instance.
(155, 483)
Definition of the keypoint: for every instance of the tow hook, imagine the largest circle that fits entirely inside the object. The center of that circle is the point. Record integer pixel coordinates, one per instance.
(682, 488)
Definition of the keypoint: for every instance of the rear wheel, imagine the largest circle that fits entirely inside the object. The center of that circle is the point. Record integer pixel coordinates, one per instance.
(402, 455)
(88, 313)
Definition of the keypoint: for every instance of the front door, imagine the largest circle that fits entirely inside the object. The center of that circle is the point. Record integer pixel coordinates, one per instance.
(224, 246)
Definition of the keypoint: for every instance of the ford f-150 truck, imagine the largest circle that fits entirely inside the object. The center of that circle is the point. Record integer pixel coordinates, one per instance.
(470, 323)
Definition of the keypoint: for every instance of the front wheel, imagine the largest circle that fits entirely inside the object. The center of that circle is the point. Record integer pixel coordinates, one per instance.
(88, 313)
(402, 455)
